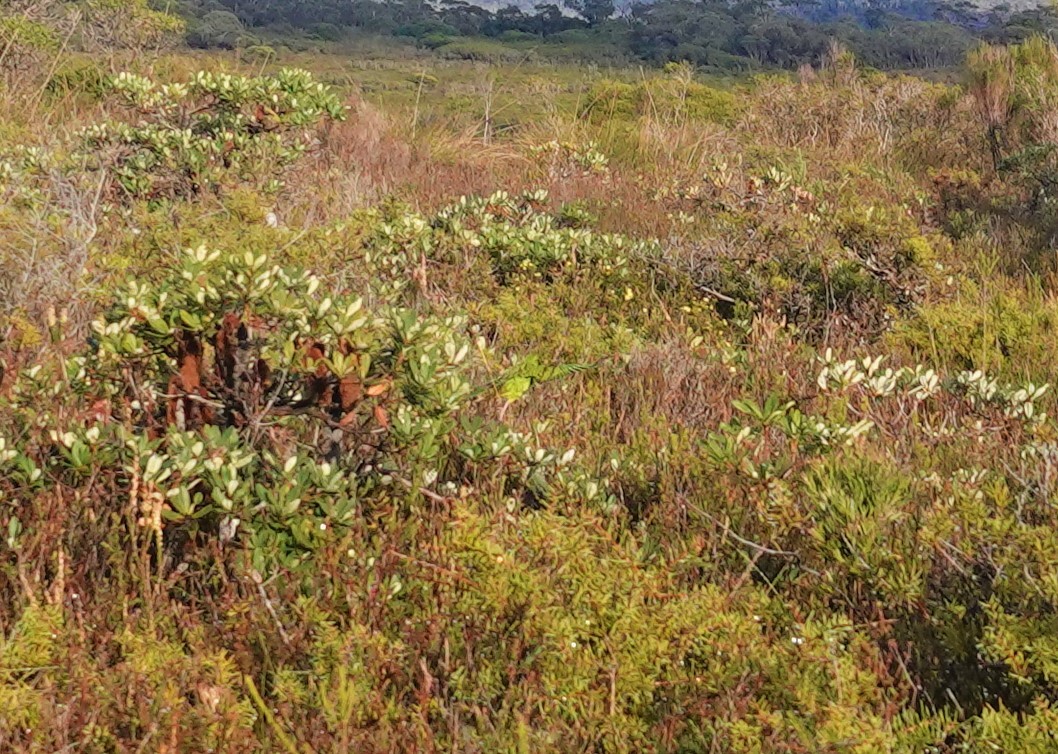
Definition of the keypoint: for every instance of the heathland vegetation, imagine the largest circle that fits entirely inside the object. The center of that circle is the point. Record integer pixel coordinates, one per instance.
(402, 402)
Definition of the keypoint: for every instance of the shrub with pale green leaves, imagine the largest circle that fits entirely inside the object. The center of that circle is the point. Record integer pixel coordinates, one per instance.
(236, 398)
(186, 138)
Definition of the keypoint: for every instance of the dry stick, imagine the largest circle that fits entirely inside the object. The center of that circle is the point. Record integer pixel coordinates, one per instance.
(613, 690)
(191, 397)
(158, 41)
(11, 40)
(511, 103)
(54, 66)
(258, 421)
(726, 527)
(271, 608)
(653, 105)
(488, 112)
(265, 60)
(418, 97)
(147, 738)
(7, 49)
(429, 494)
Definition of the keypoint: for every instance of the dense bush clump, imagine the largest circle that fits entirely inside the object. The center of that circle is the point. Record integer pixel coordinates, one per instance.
(188, 136)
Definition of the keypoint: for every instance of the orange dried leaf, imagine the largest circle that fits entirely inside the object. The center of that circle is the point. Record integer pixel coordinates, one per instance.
(349, 391)
(347, 419)
(376, 390)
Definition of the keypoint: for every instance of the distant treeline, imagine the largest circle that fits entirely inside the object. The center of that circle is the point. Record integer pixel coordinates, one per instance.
(718, 34)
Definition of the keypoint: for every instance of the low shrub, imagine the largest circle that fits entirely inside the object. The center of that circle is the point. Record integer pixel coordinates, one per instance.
(190, 137)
